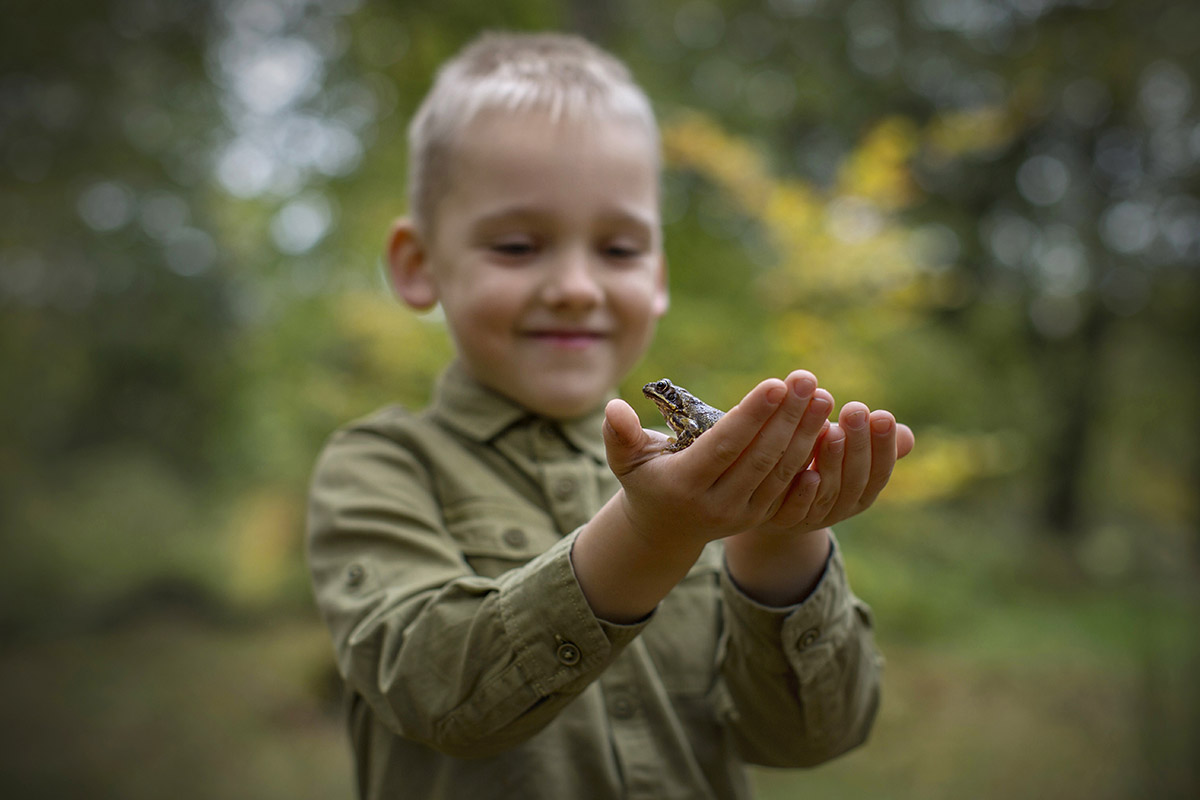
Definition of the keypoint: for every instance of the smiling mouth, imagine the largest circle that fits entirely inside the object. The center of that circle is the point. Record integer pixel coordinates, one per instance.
(566, 338)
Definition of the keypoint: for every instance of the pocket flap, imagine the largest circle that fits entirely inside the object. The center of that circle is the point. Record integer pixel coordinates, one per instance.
(500, 528)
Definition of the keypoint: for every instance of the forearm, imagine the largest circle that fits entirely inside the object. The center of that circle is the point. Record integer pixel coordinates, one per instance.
(777, 569)
(471, 666)
(804, 681)
(623, 574)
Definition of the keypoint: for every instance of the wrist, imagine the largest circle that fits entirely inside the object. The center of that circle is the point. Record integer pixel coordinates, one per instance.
(624, 569)
(658, 539)
(778, 569)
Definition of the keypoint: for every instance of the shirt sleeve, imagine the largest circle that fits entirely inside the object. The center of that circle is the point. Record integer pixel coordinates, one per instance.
(799, 685)
(465, 664)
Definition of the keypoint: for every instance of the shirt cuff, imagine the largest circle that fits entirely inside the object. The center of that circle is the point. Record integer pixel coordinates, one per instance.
(560, 644)
(824, 617)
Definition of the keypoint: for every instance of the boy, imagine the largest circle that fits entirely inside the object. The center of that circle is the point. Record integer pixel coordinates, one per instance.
(514, 618)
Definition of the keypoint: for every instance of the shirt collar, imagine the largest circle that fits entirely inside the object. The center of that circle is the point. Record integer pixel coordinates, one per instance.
(586, 433)
(482, 414)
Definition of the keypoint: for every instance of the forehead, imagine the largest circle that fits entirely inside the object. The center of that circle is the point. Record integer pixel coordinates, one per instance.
(529, 158)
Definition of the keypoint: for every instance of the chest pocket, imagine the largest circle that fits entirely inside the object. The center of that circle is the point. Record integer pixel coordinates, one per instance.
(496, 534)
(683, 636)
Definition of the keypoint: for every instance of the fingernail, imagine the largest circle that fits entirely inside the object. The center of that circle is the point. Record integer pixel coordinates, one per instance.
(856, 419)
(881, 425)
(804, 387)
(775, 395)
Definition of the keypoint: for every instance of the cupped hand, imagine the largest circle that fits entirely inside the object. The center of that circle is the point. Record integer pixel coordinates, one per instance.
(739, 475)
(851, 466)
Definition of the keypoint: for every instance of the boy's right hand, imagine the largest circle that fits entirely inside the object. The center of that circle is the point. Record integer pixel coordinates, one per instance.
(731, 479)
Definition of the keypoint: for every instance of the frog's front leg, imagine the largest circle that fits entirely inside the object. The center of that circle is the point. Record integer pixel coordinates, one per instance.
(679, 442)
(686, 430)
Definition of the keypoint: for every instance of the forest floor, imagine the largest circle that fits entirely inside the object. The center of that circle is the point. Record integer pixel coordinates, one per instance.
(1026, 693)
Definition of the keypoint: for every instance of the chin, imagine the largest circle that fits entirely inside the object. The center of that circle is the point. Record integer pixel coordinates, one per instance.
(565, 393)
(569, 405)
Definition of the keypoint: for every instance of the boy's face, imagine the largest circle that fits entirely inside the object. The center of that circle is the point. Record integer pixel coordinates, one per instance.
(546, 256)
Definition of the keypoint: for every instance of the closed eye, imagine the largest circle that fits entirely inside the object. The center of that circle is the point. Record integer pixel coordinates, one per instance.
(619, 252)
(513, 248)
(622, 250)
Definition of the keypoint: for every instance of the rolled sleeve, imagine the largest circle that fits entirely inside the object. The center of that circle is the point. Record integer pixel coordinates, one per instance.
(802, 682)
(465, 663)
(554, 633)
(557, 648)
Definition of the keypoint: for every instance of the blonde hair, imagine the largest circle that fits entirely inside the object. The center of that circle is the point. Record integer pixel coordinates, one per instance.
(561, 75)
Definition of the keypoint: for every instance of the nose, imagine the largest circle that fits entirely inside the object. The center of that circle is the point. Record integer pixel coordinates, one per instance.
(571, 281)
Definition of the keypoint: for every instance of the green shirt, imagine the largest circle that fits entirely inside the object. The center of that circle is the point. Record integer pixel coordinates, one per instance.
(440, 547)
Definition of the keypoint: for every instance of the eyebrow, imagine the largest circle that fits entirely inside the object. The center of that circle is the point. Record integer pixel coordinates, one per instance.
(619, 216)
(507, 214)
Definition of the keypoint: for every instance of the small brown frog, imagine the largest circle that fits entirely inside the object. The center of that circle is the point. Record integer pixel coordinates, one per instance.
(686, 414)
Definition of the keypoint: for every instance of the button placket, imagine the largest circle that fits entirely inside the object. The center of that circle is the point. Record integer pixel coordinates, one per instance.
(564, 487)
(547, 443)
(808, 638)
(622, 707)
(568, 492)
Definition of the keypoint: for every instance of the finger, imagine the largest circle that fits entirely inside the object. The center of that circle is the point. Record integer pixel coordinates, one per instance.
(626, 443)
(829, 469)
(905, 440)
(798, 501)
(803, 431)
(713, 453)
(883, 455)
(816, 422)
(763, 461)
(854, 419)
(621, 423)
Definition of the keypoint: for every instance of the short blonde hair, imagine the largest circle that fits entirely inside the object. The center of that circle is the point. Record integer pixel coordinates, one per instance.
(562, 75)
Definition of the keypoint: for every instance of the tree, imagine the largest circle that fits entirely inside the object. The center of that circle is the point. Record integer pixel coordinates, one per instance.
(1054, 167)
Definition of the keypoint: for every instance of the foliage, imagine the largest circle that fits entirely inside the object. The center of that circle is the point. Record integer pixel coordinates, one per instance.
(982, 215)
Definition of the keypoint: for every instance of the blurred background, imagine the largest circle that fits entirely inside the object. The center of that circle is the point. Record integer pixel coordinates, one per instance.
(981, 214)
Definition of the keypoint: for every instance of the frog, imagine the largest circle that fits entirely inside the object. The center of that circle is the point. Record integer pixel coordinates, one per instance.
(686, 415)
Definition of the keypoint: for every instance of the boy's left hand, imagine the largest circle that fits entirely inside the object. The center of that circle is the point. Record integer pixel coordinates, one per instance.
(780, 561)
(851, 465)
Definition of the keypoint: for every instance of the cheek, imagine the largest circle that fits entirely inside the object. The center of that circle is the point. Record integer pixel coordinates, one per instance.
(637, 303)
(481, 301)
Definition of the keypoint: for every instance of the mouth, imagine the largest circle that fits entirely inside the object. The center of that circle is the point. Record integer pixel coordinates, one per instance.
(658, 393)
(567, 338)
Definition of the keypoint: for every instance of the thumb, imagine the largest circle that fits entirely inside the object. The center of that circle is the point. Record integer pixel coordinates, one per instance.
(623, 436)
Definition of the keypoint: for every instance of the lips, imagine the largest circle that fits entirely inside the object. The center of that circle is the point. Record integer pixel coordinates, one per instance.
(568, 338)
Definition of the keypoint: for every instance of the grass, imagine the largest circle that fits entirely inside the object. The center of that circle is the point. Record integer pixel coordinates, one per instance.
(952, 727)
(1000, 682)
(172, 707)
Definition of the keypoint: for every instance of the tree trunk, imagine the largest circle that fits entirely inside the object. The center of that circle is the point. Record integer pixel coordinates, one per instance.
(1072, 375)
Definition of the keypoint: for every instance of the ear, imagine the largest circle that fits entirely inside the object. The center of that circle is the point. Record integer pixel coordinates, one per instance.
(408, 266)
(662, 295)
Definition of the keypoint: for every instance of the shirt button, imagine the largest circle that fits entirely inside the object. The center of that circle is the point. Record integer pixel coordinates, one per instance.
(514, 537)
(622, 708)
(355, 575)
(808, 637)
(564, 488)
(568, 654)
